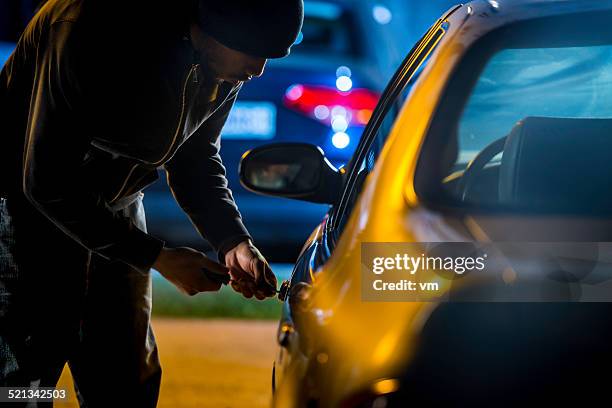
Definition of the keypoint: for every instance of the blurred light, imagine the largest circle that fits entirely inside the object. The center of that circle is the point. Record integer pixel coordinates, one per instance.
(385, 386)
(294, 92)
(344, 83)
(509, 275)
(494, 4)
(338, 111)
(324, 103)
(325, 10)
(363, 116)
(299, 38)
(339, 123)
(381, 14)
(321, 112)
(343, 71)
(340, 140)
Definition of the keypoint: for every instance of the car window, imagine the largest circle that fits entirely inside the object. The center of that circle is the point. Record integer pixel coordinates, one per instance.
(5, 51)
(572, 82)
(328, 29)
(532, 130)
(386, 112)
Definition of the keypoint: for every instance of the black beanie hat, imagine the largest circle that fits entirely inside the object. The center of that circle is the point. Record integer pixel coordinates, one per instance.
(264, 28)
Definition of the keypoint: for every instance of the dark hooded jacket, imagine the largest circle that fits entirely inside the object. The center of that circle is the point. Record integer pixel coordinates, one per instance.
(96, 97)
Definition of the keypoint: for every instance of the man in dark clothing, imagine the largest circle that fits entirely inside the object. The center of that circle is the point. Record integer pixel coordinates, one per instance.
(96, 97)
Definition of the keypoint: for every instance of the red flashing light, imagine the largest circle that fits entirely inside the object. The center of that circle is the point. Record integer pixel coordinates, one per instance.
(318, 102)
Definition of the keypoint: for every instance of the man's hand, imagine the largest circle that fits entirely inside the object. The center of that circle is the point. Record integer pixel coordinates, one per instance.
(184, 268)
(251, 274)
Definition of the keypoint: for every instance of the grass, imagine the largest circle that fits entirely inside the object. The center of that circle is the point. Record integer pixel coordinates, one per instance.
(168, 301)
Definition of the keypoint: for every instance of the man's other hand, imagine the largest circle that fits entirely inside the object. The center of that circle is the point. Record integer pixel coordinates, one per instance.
(251, 274)
(184, 268)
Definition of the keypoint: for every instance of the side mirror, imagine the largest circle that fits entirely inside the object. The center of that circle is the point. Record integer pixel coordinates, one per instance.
(292, 170)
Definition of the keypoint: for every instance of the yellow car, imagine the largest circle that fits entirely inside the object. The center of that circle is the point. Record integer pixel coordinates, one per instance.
(494, 138)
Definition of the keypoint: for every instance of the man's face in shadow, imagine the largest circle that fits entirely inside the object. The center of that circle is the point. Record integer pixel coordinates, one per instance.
(223, 63)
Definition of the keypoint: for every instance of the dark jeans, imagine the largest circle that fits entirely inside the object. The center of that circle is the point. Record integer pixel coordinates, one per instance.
(60, 303)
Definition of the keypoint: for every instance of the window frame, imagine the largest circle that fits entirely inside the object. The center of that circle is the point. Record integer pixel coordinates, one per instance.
(388, 101)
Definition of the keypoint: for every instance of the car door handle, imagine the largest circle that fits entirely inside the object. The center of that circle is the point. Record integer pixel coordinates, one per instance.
(285, 332)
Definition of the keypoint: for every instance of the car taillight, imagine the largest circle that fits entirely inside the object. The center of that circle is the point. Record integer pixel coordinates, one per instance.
(331, 106)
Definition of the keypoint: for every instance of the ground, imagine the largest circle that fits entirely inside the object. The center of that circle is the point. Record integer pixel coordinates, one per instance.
(211, 363)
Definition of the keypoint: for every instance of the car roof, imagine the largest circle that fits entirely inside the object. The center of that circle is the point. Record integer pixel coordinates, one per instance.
(479, 17)
(544, 6)
(517, 10)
